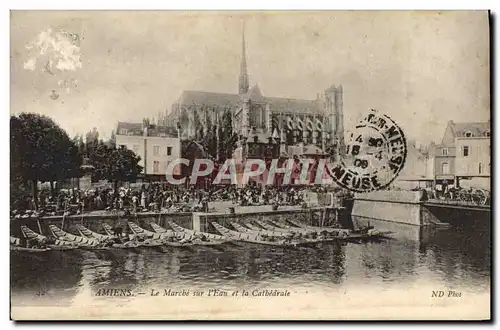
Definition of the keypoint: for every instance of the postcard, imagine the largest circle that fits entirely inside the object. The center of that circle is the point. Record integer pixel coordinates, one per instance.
(250, 165)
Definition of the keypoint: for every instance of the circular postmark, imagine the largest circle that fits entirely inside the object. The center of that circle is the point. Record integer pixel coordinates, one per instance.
(376, 152)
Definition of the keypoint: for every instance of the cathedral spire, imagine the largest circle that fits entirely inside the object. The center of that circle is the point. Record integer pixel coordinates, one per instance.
(243, 82)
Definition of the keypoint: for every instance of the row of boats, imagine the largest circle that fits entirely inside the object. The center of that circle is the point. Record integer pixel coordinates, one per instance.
(286, 233)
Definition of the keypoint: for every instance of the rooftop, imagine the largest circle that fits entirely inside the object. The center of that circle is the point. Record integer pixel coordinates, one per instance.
(471, 129)
(127, 128)
(232, 100)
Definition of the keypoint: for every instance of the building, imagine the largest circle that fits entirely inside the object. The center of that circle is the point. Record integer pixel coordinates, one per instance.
(418, 171)
(464, 157)
(259, 120)
(156, 145)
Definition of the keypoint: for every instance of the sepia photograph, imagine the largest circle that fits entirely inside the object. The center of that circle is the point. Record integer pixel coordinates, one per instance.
(250, 165)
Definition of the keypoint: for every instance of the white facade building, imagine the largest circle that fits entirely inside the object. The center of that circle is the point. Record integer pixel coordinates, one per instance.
(156, 145)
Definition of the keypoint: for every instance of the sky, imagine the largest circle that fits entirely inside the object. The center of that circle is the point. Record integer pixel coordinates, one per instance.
(90, 69)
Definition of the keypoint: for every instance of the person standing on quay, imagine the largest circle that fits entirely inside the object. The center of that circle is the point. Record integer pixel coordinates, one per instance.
(143, 199)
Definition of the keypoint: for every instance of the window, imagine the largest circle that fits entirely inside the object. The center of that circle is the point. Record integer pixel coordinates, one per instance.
(156, 166)
(444, 151)
(465, 151)
(480, 168)
(468, 134)
(156, 150)
(445, 168)
(487, 133)
(135, 149)
(169, 151)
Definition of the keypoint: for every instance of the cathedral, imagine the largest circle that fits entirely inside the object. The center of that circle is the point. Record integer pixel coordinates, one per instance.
(296, 126)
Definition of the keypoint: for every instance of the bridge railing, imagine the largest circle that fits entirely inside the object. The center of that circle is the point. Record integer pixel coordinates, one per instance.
(472, 196)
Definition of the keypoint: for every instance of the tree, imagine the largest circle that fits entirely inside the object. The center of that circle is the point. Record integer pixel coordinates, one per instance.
(41, 151)
(115, 165)
(112, 139)
(91, 141)
(78, 141)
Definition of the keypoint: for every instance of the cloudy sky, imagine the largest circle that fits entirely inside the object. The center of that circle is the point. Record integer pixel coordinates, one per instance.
(91, 69)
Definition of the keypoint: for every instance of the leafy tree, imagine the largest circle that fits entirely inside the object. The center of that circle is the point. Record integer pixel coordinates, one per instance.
(112, 139)
(114, 165)
(78, 141)
(41, 151)
(91, 141)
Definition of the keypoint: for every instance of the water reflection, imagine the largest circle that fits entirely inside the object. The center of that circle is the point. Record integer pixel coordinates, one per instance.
(449, 257)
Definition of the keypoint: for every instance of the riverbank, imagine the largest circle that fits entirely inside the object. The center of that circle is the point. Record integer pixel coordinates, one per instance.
(220, 211)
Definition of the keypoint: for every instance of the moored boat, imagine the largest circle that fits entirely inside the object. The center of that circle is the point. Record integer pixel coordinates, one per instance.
(110, 238)
(137, 230)
(108, 229)
(254, 238)
(261, 232)
(314, 228)
(157, 228)
(53, 244)
(158, 239)
(25, 249)
(198, 237)
(61, 234)
(180, 229)
(81, 242)
(271, 226)
(85, 232)
(16, 245)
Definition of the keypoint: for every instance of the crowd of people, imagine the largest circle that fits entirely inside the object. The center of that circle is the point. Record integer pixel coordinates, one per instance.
(158, 196)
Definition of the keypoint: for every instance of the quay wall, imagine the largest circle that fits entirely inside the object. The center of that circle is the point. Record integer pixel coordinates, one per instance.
(393, 206)
(197, 220)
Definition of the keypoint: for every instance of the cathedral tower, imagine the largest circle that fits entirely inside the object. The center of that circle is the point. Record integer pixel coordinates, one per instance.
(243, 85)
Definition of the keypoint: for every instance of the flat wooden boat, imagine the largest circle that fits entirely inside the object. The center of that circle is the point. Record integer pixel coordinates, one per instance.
(85, 232)
(273, 227)
(157, 228)
(159, 239)
(82, 242)
(314, 228)
(15, 245)
(31, 234)
(254, 238)
(319, 237)
(25, 249)
(137, 230)
(108, 229)
(65, 236)
(211, 236)
(198, 237)
(371, 234)
(283, 224)
(103, 238)
(261, 232)
(58, 244)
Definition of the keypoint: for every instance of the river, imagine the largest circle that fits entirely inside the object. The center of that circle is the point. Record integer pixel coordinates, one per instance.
(445, 258)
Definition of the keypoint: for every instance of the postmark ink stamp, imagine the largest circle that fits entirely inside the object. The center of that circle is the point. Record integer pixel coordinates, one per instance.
(376, 152)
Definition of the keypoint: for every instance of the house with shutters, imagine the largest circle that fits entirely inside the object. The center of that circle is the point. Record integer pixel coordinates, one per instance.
(463, 157)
